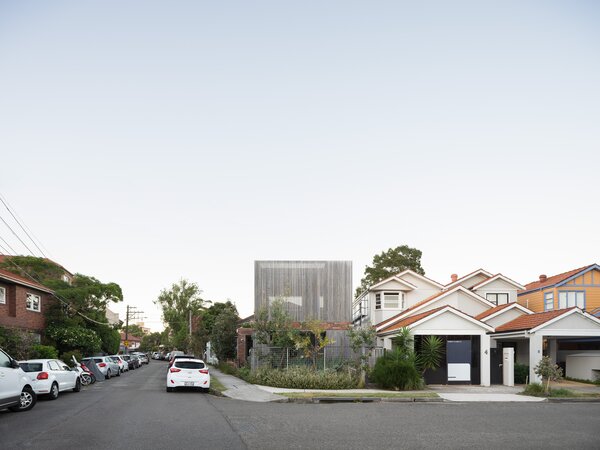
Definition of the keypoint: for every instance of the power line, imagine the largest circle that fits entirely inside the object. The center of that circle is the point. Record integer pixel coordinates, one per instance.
(16, 235)
(19, 223)
(8, 245)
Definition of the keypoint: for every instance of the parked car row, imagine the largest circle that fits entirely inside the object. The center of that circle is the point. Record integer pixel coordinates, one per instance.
(22, 381)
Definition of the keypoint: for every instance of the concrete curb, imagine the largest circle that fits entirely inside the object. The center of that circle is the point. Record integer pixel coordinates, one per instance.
(324, 400)
(573, 400)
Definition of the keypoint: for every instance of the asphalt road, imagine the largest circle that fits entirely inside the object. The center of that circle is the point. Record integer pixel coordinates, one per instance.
(135, 412)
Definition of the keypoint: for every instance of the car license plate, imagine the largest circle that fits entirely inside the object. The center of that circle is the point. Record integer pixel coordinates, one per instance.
(188, 383)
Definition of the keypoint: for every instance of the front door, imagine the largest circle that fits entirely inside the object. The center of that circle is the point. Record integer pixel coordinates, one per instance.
(458, 354)
(495, 365)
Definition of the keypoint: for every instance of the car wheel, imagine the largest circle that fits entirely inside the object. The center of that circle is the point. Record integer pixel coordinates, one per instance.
(77, 387)
(27, 401)
(53, 395)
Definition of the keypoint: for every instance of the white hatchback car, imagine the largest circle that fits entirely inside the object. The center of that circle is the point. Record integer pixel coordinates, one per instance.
(51, 376)
(16, 392)
(188, 373)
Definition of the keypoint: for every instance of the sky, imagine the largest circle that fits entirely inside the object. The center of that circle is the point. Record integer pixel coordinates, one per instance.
(144, 142)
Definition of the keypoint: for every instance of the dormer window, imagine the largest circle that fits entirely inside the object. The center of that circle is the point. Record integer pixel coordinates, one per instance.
(497, 298)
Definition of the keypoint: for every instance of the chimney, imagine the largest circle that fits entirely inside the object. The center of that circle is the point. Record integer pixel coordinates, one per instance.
(454, 277)
(543, 278)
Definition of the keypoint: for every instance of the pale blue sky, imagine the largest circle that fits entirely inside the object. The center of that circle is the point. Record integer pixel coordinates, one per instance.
(145, 141)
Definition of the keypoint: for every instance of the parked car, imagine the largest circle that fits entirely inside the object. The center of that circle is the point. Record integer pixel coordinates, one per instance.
(143, 357)
(107, 366)
(188, 373)
(51, 376)
(155, 355)
(134, 363)
(123, 365)
(16, 392)
(182, 355)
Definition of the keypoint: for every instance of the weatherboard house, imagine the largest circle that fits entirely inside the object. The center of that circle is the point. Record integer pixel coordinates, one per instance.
(476, 316)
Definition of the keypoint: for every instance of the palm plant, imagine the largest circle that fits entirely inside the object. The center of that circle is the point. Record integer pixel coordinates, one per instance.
(404, 342)
(430, 353)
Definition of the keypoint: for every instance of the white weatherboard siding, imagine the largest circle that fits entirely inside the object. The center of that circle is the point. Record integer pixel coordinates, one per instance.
(472, 281)
(461, 301)
(504, 317)
(498, 287)
(425, 289)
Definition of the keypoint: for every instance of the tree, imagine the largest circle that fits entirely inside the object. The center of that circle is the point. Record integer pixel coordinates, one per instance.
(312, 340)
(362, 342)
(274, 326)
(389, 263)
(549, 371)
(178, 303)
(206, 323)
(135, 330)
(223, 337)
(151, 342)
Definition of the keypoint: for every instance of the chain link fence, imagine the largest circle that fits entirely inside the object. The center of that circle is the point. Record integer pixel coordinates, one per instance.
(330, 357)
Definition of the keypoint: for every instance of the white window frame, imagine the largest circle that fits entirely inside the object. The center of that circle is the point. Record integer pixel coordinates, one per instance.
(29, 302)
(496, 294)
(2, 295)
(563, 299)
(399, 304)
(549, 300)
(378, 302)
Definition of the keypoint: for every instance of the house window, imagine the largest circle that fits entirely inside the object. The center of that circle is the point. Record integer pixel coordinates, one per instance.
(377, 301)
(548, 301)
(497, 299)
(392, 300)
(2, 295)
(568, 299)
(33, 302)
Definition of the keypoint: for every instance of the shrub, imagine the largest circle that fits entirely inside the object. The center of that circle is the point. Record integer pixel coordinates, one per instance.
(67, 357)
(396, 370)
(521, 373)
(43, 352)
(228, 369)
(534, 389)
(302, 378)
(17, 343)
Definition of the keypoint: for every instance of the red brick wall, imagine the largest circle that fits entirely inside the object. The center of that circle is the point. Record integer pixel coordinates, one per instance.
(14, 312)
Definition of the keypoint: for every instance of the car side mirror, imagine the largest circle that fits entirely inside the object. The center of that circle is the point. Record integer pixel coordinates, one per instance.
(14, 364)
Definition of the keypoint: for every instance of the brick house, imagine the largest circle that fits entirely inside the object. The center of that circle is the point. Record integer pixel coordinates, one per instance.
(23, 303)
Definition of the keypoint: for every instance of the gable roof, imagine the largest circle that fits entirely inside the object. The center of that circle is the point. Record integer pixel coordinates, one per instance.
(530, 321)
(434, 297)
(497, 310)
(556, 279)
(411, 320)
(393, 278)
(421, 277)
(498, 276)
(9, 276)
(469, 275)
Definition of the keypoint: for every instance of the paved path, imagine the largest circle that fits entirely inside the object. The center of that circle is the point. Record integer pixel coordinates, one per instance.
(241, 390)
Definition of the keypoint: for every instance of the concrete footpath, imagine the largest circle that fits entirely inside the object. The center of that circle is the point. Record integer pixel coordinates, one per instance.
(241, 390)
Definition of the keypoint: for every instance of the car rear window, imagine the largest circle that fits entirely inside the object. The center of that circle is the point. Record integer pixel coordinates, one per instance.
(98, 360)
(189, 365)
(31, 367)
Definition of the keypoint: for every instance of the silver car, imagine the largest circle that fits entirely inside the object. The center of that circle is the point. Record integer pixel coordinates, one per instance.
(105, 365)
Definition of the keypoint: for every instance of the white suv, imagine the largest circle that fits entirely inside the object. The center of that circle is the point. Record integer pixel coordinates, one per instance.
(16, 392)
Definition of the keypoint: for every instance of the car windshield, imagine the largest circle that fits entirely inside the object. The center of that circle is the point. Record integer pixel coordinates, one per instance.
(189, 365)
(31, 367)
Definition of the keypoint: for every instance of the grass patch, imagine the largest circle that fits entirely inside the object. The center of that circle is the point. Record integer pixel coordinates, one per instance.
(362, 395)
(216, 385)
(537, 390)
(596, 382)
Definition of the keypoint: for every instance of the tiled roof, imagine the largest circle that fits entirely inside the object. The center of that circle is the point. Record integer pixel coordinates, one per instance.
(466, 276)
(411, 319)
(529, 321)
(5, 274)
(493, 310)
(554, 279)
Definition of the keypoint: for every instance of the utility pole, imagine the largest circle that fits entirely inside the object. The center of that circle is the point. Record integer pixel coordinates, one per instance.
(132, 313)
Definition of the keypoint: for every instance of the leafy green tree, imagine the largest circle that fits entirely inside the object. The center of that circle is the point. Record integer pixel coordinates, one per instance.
(151, 342)
(312, 339)
(274, 326)
(206, 322)
(362, 341)
(178, 303)
(223, 336)
(41, 269)
(548, 371)
(389, 263)
(134, 330)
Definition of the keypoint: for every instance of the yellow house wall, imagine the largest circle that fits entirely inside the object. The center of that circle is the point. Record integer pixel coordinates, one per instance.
(588, 282)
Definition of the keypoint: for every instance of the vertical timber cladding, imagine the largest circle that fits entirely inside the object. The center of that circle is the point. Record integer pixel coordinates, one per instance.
(310, 289)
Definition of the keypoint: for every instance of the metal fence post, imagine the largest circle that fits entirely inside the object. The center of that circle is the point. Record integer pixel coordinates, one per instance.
(287, 358)
(325, 358)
